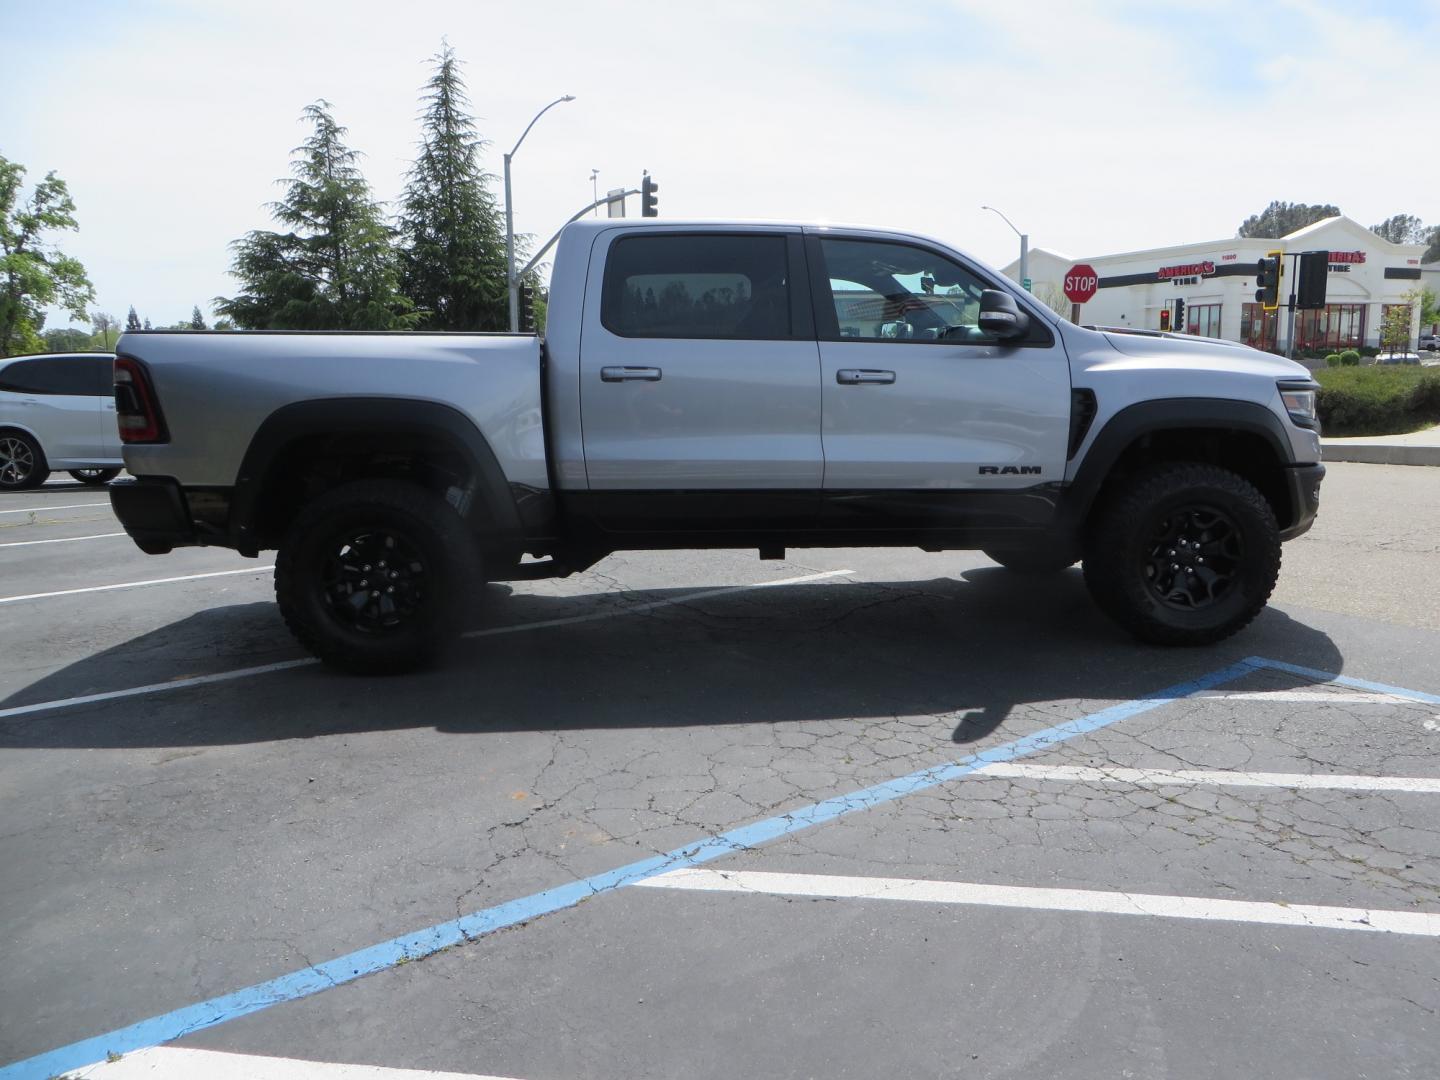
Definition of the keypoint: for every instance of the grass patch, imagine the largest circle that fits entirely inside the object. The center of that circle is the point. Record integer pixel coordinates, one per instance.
(1388, 400)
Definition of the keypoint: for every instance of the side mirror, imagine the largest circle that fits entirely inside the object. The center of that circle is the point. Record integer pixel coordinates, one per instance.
(1001, 317)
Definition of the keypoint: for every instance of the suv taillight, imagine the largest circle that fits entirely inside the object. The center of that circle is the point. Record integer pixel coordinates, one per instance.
(136, 410)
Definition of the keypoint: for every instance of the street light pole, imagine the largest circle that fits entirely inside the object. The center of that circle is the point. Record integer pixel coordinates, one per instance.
(512, 283)
(1024, 247)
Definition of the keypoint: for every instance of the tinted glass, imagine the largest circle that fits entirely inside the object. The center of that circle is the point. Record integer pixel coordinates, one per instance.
(74, 376)
(697, 287)
(895, 292)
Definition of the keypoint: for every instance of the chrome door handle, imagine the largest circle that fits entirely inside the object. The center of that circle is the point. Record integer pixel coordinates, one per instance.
(629, 374)
(856, 376)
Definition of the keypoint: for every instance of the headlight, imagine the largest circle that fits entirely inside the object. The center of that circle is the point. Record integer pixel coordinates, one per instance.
(1300, 404)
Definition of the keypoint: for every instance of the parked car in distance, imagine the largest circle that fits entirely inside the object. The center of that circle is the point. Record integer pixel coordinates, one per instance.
(57, 411)
(1398, 358)
(1429, 342)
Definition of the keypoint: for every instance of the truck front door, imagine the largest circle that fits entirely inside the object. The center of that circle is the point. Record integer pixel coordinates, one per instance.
(930, 422)
(700, 382)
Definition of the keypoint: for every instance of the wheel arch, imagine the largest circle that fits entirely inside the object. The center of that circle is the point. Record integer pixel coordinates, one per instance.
(1243, 436)
(305, 448)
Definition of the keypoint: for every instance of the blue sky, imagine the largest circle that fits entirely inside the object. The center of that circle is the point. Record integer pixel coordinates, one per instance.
(1096, 127)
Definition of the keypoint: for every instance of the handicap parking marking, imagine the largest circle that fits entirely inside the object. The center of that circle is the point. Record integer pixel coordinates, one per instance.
(1088, 901)
(327, 975)
(178, 1063)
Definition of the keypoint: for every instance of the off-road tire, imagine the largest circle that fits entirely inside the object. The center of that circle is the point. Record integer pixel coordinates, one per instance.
(1121, 552)
(95, 477)
(22, 465)
(438, 574)
(1032, 561)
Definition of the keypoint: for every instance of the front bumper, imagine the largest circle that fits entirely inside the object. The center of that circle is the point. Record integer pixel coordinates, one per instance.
(1304, 482)
(153, 511)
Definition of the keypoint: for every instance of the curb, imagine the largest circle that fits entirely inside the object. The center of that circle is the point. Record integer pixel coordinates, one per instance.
(1379, 453)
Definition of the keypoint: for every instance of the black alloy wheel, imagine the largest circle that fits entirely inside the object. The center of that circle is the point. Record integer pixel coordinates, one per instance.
(376, 582)
(22, 465)
(1194, 556)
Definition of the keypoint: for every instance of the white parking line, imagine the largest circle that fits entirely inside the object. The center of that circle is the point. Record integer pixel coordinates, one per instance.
(1313, 697)
(133, 584)
(179, 1063)
(60, 540)
(1310, 916)
(285, 665)
(1423, 785)
(62, 506)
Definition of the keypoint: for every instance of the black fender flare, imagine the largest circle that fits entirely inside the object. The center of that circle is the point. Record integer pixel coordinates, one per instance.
(1165, 414)
(492, 505)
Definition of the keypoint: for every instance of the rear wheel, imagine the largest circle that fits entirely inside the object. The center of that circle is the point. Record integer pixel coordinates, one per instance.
(1183, 554)
(97, 477)
(22, 462)
(374, 577)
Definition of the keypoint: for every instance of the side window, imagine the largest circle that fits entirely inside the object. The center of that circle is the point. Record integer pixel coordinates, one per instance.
(897, 292)
(681, 286)
(70, 376)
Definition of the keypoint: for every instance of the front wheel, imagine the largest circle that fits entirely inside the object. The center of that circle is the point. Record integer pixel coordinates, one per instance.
(22, 462)
(1183, 554)
(375, 576)
(95, 477)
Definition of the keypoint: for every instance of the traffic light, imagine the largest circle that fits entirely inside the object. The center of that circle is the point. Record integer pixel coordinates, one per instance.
(1310, 280)
(1268, 273)
(527, 309)
(1179, 316)
(1164, 318)
(649, 204)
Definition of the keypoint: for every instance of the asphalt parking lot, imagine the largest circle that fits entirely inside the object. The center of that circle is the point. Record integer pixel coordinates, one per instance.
(856, 813)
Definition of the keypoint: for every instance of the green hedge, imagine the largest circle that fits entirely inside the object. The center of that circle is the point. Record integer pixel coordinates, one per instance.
(1378, 400)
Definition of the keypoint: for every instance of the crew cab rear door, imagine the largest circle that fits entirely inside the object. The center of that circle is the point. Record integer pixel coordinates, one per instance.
(700, 380)
(923, 411)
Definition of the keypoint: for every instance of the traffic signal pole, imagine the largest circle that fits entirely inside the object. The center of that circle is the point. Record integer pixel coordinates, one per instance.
(1290, 333)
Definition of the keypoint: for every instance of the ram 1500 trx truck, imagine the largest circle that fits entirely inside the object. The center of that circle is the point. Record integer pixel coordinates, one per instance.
(721, 385)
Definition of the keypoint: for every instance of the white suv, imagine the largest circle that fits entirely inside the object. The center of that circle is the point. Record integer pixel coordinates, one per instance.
(57, 411)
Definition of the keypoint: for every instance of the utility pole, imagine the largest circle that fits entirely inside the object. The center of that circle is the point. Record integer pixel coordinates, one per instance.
(511, 280)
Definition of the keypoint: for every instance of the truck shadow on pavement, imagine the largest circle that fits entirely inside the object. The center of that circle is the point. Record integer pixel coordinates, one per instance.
(967, 651)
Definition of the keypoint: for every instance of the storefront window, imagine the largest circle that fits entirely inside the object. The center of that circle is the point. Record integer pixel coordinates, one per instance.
(1203, 319)
(1337, 326)
(1258, 327)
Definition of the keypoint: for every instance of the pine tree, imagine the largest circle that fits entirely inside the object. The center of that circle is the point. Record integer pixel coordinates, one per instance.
(147, 325)
(336, 269)
(451, 229)
(132, 321)
(197, 320)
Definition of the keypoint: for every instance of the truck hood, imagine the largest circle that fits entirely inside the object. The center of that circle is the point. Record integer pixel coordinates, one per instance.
(1207, 353)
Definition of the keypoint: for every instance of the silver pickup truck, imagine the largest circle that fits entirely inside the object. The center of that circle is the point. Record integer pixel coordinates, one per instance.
(721, 385)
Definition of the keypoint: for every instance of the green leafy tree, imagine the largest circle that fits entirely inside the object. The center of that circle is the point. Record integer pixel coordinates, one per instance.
(451, 233)
(132, 321)
(197, 320)
(66, 340)
(1395, 323)
(1282, 218)
(1402, 229)
(336, 269)
(34, 275)
(1432, 253)
(107, 329)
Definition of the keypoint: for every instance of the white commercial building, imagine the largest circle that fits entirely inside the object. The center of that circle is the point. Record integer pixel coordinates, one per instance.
(1216, 281)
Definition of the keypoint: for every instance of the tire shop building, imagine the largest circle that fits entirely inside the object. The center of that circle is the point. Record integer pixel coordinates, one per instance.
(1216, 281)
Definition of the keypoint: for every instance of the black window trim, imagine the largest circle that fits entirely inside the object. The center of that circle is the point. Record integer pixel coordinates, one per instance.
(827, 323)
(797, 278)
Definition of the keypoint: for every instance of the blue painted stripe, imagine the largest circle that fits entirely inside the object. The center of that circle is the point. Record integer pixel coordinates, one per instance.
(1345, 680)
(423, 943)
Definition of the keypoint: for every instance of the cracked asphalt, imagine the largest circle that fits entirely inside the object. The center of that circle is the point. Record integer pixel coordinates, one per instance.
(162, 849)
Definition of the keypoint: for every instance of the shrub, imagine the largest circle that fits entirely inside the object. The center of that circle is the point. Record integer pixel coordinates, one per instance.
(1349, 358)
(1369, 350)
(1332, 360)
(1378, 400)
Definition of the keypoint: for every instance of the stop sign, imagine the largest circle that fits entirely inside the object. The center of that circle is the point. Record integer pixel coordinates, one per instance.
(1081, 283)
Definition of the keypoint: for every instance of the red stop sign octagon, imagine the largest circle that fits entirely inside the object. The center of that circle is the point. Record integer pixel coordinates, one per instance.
(1081, 283)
